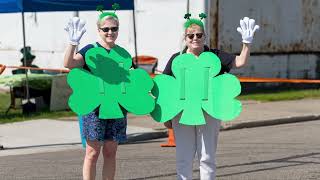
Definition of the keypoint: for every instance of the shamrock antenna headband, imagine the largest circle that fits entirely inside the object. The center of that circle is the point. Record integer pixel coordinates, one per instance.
(191, 21)
(100, 8)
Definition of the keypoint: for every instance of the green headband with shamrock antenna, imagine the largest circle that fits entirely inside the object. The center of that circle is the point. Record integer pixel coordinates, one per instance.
(100, 8)
(192, 21)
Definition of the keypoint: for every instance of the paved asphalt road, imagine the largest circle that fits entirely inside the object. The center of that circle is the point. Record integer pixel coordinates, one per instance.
(282, 152)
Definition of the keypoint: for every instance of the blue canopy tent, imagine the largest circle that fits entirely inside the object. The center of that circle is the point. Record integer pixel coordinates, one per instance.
(12, 6)
(21, 6)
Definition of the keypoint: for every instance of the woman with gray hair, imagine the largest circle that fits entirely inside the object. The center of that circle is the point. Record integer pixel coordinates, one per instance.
(203, 139)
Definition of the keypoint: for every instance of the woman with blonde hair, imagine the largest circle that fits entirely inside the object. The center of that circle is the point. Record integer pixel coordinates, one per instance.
(99, 133)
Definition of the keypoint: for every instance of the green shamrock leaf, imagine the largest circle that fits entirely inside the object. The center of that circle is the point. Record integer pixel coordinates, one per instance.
(202, 16)
(195, 89)
(115, 6)
(187, 16)
(109, 85)
(100, 8)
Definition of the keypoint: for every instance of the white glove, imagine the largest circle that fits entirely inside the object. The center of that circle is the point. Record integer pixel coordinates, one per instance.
(75, 29)
(247, 29)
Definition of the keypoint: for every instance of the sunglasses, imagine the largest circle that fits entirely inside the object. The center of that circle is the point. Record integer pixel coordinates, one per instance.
(113, 29)
(191, 36)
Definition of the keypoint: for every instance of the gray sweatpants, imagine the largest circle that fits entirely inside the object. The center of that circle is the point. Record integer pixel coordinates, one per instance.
(201, 140)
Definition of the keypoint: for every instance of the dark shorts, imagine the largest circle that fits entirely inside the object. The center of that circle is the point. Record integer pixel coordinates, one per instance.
(95, 129)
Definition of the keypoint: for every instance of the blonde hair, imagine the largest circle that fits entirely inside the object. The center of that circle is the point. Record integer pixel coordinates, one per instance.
(107, 18)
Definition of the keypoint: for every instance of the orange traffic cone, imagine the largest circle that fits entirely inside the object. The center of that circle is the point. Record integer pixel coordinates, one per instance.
(171, 142)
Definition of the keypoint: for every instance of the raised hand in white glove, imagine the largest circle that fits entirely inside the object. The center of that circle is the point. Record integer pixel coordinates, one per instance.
(247, 29)
(75, 29)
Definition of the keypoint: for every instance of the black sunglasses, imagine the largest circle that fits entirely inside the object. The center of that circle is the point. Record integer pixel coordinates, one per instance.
(113, 29)
(191, 36)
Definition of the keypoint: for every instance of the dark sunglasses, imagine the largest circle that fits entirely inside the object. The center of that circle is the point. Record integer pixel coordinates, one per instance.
(113, 29)
(191, 36)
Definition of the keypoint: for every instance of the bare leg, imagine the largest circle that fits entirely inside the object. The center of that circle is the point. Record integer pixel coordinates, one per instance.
(90, 160)
(109, 155)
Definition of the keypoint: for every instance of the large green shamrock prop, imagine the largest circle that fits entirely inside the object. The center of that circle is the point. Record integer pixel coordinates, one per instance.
(110, 84)
(195, 89)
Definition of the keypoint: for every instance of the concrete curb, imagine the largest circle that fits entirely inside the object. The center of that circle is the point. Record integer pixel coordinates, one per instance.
(163, 133)
(272, 122)
(133, 138)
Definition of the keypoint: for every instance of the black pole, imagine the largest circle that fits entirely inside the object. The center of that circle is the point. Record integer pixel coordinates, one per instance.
(24, 56)
(135, 34)
(207, 6)
(188, 6)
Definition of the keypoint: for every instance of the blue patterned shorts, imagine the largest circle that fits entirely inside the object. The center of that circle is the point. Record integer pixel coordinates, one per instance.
(95, 129)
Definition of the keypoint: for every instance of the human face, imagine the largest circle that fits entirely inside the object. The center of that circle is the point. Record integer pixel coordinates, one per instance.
(110, 36)
(194, 37)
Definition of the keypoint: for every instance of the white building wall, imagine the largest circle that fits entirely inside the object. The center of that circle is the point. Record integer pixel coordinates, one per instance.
(159, 32)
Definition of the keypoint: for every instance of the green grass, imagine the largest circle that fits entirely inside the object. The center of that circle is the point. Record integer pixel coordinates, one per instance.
(15, 115)
(267, 96)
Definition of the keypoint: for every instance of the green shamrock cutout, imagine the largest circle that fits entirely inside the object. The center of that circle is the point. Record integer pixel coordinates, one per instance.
(109, 85)
(194, 89)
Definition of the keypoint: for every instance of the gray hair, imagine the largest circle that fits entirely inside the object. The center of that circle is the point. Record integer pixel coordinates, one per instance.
(183, 43)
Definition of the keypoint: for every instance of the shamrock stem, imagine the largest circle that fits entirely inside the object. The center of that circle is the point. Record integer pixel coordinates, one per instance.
(183, 84)
(123, 88)
(123, 85)
(206, 83)
(101, 86)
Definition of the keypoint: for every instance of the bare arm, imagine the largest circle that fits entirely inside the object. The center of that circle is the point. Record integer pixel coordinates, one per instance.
(72, 60)
(242, 59)
(247, 29)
